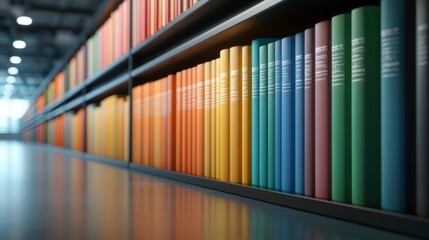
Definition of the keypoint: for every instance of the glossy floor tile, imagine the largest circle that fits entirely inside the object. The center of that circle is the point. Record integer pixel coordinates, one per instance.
(48, 195)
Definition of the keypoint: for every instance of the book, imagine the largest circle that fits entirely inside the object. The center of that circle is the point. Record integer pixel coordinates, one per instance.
(271, 114)
(263, 116)
(365, 106)
(171, 115)
(322, 110)
(207, 118)
(287, 113)
(397, 105)
(309, 112)
(224, 79)
(278, 115)
(422, 129)
(199, 138)
(179, 113)
(137, 124)
(255, 107)
(340, 107)
(213, 119)
(246, 115)
(298, 109)
(235, 114)
(218, 119)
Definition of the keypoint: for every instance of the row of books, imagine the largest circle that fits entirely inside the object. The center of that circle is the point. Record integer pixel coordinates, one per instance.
(111, 41)
(319, 119)
(107, 128)
(149, 16)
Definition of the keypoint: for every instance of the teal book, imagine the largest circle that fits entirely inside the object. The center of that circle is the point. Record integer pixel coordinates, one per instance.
(263, 116)
(365, 106)
(340, 107)
(278, 115)
(397, 79)
(255, 107)
(271, 114)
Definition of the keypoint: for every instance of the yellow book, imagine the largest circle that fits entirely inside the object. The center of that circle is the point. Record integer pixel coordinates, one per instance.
(213, 119)
(217, 119)
(126, 143)
(207, 118)
(235, 114)
(246, 117)
(224, 114)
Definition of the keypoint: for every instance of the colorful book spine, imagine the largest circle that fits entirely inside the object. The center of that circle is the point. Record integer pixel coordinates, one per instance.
(287, 114)
(422, 113)
(309, 112)
(218, 119)
(235, 114)
(322, 111)
(340, 106)
(255, 108)
(263, 116)
(278, 115)
(365, 106)
(299, 114)
(207, 119)
(397, 74)
(213, 119)
(179, 113)
(171, 115)
(224, 115)
(271, 114)
(246, 114)
(199, 133)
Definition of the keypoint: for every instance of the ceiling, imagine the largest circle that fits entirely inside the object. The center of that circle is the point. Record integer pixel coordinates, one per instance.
(55, 29)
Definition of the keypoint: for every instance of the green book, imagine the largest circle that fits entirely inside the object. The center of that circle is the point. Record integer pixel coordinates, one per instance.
(263, 116)
(341, 100)
(365, 106)
(271, 115)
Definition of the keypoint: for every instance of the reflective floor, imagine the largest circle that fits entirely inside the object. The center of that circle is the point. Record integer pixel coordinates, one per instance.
(47, 195)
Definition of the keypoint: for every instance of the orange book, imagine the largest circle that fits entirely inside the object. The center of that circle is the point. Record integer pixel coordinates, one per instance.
(171, 122)
(119, 142)
(207, 119)
(178, 128)
(218, 119)
(224, 115)
(246, 108)
(143, 20)
(151, 122)
(213, 119)
(146, 125)
(136, 21)
(199, 136)
(163, 122)
(189, 122)
(136, 122)
(156, 125)
(161, 8)
(184, 121)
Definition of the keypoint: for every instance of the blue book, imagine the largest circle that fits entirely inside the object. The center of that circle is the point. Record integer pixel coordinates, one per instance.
(263, 116)
(299, 114)
(287, 128)
(393, 105)
(255, 107)
(271, 113)
(278, 115)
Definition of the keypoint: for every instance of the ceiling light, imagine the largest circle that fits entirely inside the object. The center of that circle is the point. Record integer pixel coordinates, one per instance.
(15, 60)
(24, 20)
(13, 70)
(8, 87)
(10, 79)
(19, 44)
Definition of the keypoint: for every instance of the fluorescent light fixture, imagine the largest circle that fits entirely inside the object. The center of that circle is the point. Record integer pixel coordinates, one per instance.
(24, 20)
(15, 60)
(13, 70)
(10, 79)
(19, 44)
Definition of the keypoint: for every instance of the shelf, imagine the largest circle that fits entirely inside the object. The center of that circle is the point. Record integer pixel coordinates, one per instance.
(108, 88)
(108, 70)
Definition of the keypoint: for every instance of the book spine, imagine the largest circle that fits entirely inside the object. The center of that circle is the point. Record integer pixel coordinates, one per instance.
(340, 105)
(299, 114)
(246, 114)
(224, 115)
(287, 114)
(309, 112)
(199, 158)
(255, 113)
(365, 106)
(263, 116)
(218, 119)
(235, 114)
(278, 115)
(213, 119)
(322, 111)
(207, 119)
(271, 114)
(422, 91)
(397, 78)
(179, 113)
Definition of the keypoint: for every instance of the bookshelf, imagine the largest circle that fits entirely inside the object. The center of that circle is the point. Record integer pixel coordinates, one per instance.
(197, 36)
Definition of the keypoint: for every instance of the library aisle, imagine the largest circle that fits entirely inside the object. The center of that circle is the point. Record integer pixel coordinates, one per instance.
(45, 194)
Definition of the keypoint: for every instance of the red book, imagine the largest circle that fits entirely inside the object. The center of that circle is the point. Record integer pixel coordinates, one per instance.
(322, 110)
(309, 111)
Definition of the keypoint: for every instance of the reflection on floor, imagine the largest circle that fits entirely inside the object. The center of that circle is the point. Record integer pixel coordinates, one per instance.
(47, 195)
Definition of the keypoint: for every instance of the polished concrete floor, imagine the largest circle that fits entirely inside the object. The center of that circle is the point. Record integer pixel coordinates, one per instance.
(47, 195)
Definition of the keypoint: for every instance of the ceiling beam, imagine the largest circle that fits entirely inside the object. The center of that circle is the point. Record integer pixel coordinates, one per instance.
(68, 10)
